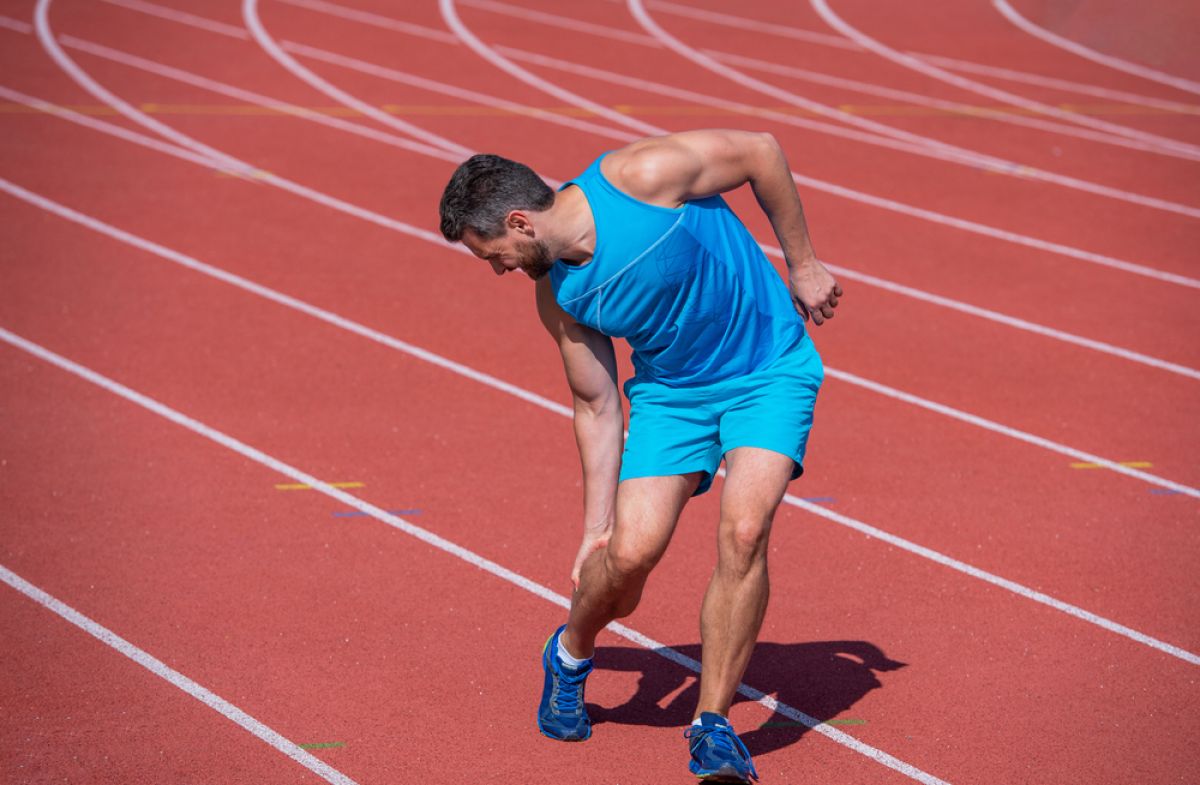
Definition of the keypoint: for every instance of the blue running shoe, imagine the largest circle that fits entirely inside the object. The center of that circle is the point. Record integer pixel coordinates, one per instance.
(718, 755)
(561, 714)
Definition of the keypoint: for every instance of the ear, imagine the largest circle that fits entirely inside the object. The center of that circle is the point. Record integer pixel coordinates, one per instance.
(519, 221)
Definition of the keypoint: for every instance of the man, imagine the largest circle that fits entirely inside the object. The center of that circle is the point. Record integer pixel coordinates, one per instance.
(641, 246)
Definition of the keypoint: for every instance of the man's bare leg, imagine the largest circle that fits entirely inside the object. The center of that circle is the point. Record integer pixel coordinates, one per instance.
(612, 578)
(736, 599)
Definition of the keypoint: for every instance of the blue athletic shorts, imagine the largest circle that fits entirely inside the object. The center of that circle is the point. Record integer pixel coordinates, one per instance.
(679, 430)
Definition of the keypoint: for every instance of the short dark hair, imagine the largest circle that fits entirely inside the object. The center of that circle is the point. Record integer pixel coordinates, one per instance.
(483, 190)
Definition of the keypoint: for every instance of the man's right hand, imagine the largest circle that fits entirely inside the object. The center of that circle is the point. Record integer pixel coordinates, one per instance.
(592, 541)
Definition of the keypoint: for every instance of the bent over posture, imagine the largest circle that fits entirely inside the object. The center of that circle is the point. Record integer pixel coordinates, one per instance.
(641, 246)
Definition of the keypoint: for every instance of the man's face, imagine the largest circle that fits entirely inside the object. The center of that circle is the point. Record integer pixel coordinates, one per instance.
(511, 251)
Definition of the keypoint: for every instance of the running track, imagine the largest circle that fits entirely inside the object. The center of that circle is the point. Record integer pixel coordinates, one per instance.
(181, 333)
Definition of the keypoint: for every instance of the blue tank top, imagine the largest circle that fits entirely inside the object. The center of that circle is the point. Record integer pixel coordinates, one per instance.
(687, 287)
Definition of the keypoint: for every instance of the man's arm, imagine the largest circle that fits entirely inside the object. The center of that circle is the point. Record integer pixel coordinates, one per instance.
(591, 368)
(670, 170)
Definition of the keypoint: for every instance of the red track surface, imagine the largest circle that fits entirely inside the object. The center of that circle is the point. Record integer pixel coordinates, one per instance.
(423, 667)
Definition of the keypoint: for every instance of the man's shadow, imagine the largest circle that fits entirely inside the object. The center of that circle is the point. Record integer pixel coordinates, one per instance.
(821, 679)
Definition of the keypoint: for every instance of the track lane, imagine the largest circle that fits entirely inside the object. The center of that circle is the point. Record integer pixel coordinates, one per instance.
(1029, 147)
(342, 594)
(1143, 250)
(1053, 471)
(534, 337)
(1039, 206)
(79, 709)
(485, 287)
(504, 441)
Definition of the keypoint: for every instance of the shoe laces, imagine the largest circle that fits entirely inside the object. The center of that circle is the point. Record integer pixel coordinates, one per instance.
(723, 738)
(569, 696)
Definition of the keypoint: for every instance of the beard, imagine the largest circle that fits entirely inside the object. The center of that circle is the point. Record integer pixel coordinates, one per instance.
(535, 259)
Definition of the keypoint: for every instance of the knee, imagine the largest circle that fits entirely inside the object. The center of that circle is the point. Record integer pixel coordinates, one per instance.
(743, 543)
(627, 562)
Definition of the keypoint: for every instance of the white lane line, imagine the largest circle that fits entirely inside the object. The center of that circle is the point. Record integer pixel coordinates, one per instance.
(191, 263)
(81, 77)
(996, 580)
(268, 44)
(173, 15)
(226, 161)
(454, 91)
(1011, 321)
(1005, 430)
(838, 42)
(285, 300)
(562, 22)
(844, 272)
(883, 203)
(849, 193)
(450, 15)
(533, 398)
(605, 31)
(908, 61)
(16, 24)
(1055, 83)
(375, 20)
(110, 129)
(267, 102)
(1012, 15)
(1000, 115)
(428, 537)
(950, 152)
(900, 289)
(754, 25)
(157, 666)
(390, 74)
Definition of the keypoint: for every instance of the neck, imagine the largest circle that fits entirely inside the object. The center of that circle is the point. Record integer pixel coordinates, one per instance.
(568, 228)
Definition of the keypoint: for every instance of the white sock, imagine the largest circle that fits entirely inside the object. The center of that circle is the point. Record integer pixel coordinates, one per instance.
(698, 722)
(564, 656)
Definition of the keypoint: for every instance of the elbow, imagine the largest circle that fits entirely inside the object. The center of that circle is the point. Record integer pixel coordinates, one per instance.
(769, 150)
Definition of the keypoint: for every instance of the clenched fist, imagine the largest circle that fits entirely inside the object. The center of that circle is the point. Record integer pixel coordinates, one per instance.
(815, 293)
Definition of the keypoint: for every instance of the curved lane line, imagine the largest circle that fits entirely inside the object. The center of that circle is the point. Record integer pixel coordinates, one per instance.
(544, 403)
(81, 77)
(441, 543)
(1012, 15)
(847, 273)
(842, 271)
(951, 152)
(839, 42)
(268, 44)
(821, 185)
(473, 96)
(849, 193)
(224, 160)
(1049, 126)
(947, 107)
(1064, 85)
(908, 61)
(275, 104)
(450, 15)
(157, 666)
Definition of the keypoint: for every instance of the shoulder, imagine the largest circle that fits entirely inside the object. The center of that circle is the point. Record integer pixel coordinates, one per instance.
(656, 170)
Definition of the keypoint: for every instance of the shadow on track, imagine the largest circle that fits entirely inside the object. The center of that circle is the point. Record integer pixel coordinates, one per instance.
(821, 679)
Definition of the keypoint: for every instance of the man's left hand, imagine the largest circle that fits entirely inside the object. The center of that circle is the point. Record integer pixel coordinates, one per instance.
(815, 292)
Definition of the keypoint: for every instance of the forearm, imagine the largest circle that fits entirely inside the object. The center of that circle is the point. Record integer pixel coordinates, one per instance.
(599, 433)
(771, 180)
